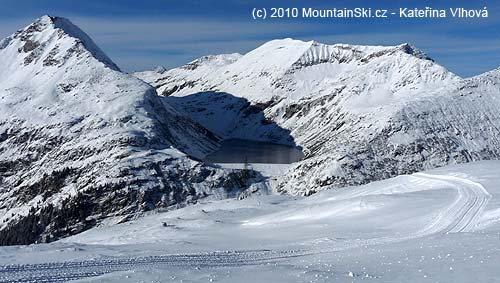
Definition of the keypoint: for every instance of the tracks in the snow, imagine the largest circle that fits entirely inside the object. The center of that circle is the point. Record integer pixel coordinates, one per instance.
(462, 215)
(465, 212)
(72, 270)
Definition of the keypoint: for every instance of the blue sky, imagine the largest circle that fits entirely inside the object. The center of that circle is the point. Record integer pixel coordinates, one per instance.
(139, 35)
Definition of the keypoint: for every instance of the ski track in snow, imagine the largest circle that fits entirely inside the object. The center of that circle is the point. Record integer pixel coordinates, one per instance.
(462, 215)
(72, 270)
(465, 212)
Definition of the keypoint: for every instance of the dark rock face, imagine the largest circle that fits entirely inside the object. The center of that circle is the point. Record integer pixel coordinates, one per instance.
(46, 223)
(116, 185)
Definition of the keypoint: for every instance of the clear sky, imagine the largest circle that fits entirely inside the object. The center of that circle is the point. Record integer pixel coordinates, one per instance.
(141, 34)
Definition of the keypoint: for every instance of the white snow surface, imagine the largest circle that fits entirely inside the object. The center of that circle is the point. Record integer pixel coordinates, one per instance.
(441, 225)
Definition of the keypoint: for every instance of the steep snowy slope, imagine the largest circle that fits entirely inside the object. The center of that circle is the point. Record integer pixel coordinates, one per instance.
(455, 124)
(195, 70)
(361, 113)
(80, 141)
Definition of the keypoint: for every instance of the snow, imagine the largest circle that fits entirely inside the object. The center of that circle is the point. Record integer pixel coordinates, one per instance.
(362, 114)
(343, 104)
(25, 85)
(332, 100)
(72, 122)
(425, 227)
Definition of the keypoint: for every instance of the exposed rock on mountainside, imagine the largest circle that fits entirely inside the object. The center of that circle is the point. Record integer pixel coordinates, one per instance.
(80, 141)
(361, 113)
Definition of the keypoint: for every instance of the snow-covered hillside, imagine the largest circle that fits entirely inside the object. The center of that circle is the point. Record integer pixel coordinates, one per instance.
(436, 226)
(361, 113)
(80, 141)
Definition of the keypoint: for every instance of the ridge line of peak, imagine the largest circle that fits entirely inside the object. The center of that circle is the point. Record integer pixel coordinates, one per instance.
(36, 35)
(291, 43)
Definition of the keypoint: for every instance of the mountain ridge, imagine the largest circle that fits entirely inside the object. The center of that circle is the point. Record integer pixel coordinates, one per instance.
(345, 105)
(81, 141)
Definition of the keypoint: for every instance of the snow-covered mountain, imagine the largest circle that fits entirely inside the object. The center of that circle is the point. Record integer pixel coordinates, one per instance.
(361, 113)
(80, 141)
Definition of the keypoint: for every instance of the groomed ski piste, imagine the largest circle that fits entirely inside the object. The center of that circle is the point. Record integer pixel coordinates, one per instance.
(440, 225)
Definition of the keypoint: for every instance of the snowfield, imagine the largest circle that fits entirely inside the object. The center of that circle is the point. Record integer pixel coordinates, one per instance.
(441, 225)
(81, 141)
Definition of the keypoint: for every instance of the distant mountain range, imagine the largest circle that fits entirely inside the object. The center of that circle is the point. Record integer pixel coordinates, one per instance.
(80, 141)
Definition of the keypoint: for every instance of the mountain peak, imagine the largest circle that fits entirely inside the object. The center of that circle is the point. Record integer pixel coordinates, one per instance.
(44, 20)
(412, 50)
(303, 68)
(287, 56)
(51, 40)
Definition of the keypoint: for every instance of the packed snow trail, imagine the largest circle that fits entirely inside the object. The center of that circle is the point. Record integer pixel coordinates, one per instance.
(461, 214)
(465, 213)
(72, 270)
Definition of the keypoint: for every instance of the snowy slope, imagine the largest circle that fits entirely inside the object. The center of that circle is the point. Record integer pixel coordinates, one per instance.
(294, 70)
(196, 70)
(361, 113)
(436, 226)
(452, 199)
(80, 141)
(457, 123)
